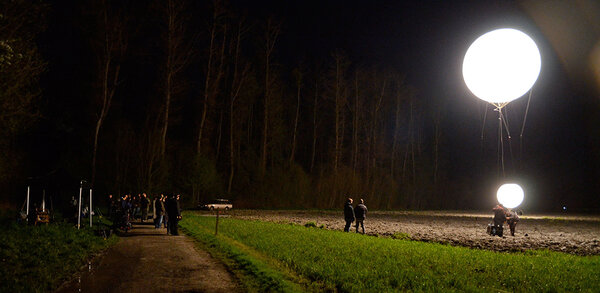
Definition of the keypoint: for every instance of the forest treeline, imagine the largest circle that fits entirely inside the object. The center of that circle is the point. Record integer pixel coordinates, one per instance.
(196, 97)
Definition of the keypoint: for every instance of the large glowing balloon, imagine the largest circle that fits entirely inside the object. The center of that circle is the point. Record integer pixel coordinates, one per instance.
(501, 65)
(510, 195)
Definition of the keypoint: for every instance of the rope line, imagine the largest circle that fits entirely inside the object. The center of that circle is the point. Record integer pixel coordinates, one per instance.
(500, 144)
(523, 127)
(506, 124)
(483, 125)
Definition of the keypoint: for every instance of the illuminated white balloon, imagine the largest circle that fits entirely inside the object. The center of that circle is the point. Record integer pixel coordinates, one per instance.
(501, 65)
(510, 195)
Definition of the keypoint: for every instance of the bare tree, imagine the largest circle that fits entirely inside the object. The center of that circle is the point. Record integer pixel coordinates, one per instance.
(238, 80)
(339, 97)
(177, 54)
(271, 34)
(355, 122)
(399, 97)
(214, 68)
(113, 45)
(20, 67)
(314, 134)
(298, 75)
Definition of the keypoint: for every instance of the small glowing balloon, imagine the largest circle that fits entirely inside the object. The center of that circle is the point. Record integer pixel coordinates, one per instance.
(501, 66)
(510, 195)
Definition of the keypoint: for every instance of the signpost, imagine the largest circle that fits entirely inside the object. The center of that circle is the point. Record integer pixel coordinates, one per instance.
(217, 224)
(90, 211)
(79, 203)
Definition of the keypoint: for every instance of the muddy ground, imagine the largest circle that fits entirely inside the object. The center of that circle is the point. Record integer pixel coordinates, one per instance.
(573, 234)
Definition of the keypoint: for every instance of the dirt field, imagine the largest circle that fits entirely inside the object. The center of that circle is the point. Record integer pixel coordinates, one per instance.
(566, 233)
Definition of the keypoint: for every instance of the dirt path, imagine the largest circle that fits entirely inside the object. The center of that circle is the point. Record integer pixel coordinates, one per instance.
(148, 260)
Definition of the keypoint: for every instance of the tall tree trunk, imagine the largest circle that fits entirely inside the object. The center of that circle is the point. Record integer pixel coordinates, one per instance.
(271, 34)
(314, 140)
(219, 136)
(178, 54)
(355, 120)
(213, 75)
(339, 106)
(299, 88)
(395, 139)
(237, 83)
(114, 46)
(436, 146)
(375, 120)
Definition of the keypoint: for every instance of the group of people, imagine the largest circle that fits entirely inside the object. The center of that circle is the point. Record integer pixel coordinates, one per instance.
(502, 215)
(357, 214)
(165, 209)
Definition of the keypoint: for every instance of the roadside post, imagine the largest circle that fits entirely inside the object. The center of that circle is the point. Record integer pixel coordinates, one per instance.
(217, 224)
(79, 203)
(90, 211)
(28, 189)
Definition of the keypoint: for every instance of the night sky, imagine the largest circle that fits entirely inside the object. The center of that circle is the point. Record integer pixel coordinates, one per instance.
(556, 161)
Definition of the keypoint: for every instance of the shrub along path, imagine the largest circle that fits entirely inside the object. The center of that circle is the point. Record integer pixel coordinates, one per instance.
(148, 260)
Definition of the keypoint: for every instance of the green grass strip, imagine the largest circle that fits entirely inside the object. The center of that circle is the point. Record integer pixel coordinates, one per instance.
(352, 262)
(38, 259)
(256, 273)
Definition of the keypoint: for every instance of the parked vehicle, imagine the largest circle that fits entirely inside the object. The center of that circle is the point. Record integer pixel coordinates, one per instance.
(218, 204)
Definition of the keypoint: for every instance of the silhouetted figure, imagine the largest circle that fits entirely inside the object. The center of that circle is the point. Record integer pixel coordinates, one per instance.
(499, 215)
(136, 206)
(111, 205)
(348, 214)
(512, 218)
(159, 212)
(144, 204)
(498, 221)
(361, 214)
(174, 214)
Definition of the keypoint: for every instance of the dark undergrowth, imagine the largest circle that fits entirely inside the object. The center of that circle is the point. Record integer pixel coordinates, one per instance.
(40, 258)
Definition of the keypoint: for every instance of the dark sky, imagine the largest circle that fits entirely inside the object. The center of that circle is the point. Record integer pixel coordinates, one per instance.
(426, 40)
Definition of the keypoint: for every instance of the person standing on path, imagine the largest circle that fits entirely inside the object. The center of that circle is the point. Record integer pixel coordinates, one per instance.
(159, 212)
(144, 204)
(361, 214)
(174, 214)
(348, 214)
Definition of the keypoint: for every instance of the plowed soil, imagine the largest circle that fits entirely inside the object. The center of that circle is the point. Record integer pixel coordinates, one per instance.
(574, 234)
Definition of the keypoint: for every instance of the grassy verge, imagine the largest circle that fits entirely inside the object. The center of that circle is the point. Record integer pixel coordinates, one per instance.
(356, 263)
(38, 259)
(256, 272)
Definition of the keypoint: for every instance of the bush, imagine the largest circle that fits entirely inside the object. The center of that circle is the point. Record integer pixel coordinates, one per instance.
(38, 259)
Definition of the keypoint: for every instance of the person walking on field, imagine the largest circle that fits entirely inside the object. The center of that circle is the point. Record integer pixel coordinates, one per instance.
(348, 214)
(361, 214)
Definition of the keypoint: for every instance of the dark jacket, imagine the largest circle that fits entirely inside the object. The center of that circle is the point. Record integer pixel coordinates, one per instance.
(360, 211)
(144, 202)
(499, 215)
(348, 212)
(172, 208)
(159, 207)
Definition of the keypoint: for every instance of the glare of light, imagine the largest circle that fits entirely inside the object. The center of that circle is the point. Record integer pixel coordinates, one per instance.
(510, 195)
(501, 65)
